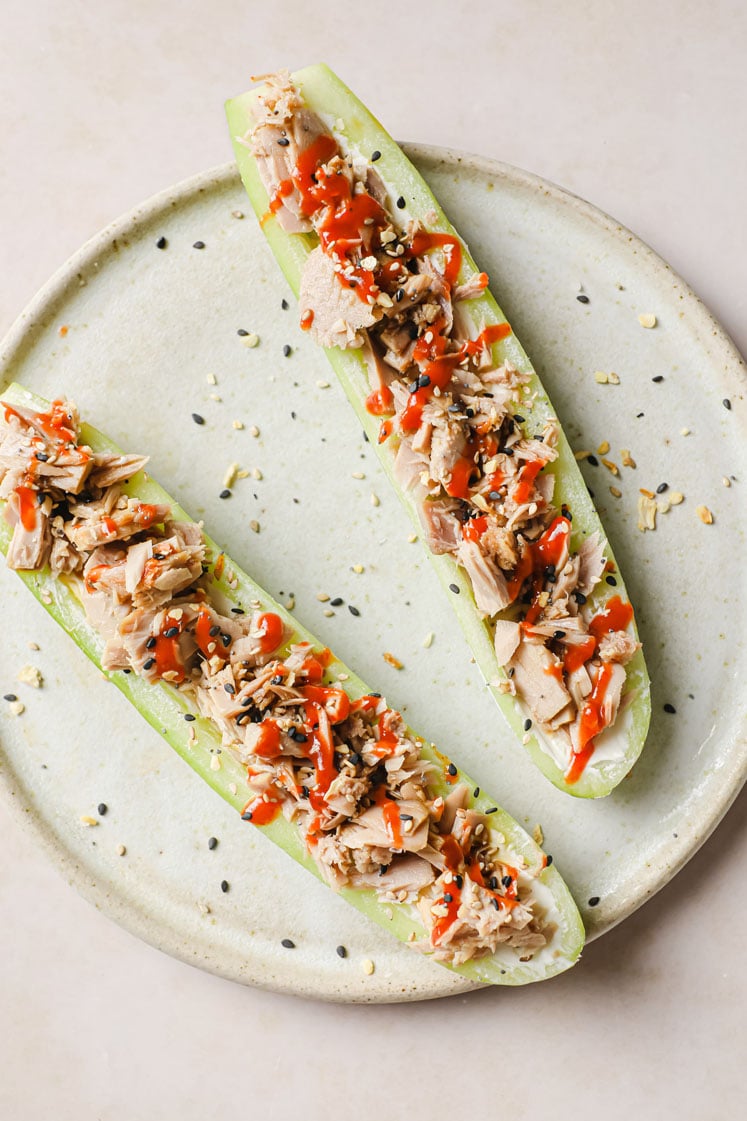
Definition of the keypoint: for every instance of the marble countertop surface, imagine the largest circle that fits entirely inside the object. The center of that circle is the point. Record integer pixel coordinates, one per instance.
(639, 108)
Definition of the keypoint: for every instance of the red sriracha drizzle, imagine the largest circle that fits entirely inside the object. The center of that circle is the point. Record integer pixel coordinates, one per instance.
(270, 632)
(592, 723)
(27, 507)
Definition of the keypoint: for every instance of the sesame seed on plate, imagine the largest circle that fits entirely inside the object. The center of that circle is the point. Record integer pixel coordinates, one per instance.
(161, 243)
(197, 418)
(288, 944)
(198, 245)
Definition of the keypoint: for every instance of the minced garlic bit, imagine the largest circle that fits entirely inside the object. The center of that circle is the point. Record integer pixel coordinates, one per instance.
(704, 514)
(375, 500)
(646, 319)
(647, 510)
(626, 458)
(615, 492)
(603, 448)
(230, 476)
(30, 675)
(390, 658)
(538, 835)
(368, 966)
(611, 466)
(237, 424)
(254, 525)
(251, 340)
(89, 821)
(428, 640)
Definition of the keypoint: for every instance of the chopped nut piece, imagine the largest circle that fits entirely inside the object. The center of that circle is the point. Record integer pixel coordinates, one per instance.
(254, 525)
(30, 675)
(627, 458)
(647, 510)
(538, 835)
(646, 319)
(600, 377)
(581, 455)
(611, 466)
(704, 514)
(603, 448)
(390, 658)
(238, 425)
(615, 492)
(211, 379)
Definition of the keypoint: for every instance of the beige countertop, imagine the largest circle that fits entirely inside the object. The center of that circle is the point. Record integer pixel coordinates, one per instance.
(639, 108)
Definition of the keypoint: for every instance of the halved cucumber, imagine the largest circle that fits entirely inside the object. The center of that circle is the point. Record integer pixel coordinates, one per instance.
(359, 132)
(164, 707)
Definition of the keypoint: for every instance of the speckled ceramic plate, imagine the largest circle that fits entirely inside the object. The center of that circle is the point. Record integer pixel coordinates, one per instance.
(141, 337)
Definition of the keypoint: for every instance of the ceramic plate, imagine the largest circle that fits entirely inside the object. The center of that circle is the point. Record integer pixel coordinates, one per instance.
(141, 337)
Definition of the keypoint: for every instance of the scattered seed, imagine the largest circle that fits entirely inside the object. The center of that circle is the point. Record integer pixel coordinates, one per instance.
(225, 493)
(527, 724)
(30, 675)
(198, 245)
(237, 214)
(368, 965)
(287, 351)
(726, 403)
(322, 597)
(211, 379)
(121, 850)
(593, 902)
(358, 569)
(102, 808)
(17, 708)
(603, 448)
(538, 835)
(615, 492)
(353, 610)
(189, 717)
(257, 474)
(428, 640)
(647, 320)
(288, 944)
(161, 243)
(451, 769)
(197, 418)
(215, 763)
(251, 340)
(212, 843)
(611, 466)
(675, 498)
(375, 500)
(341, 952)
(583, 298)
(87, 820)
(284, 304)
(230, 476)
(224, 886)
(10, 697)
(684, 431)
(454, 588)
(392, 661)
(626, 458)
(600, 377)
(322, 385)
(658, 379)
(704, 514)
(254, 525)
(401, 204)
(576, 455)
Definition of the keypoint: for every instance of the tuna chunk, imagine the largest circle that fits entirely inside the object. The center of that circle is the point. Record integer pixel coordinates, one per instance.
(536, 682)
(618, 646)
(448, 444)
(29, 548)
(488, 584)
(372, 830)
(506, 639)
(443, 532)
(118, 526)
(591, 563)
(339, 314)
(109, 469)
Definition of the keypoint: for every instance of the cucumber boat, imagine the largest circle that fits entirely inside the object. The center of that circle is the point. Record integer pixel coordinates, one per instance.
(459, 418)
(271, 720)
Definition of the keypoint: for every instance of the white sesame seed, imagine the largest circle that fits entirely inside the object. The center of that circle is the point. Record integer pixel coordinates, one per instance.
(358, 569)
(375, 500)
(428, 640)
(215, 763)
(89, 821)
(211, 379)
(238, 425)
(16, 708)
(254, 431)
(328, 612)
(358, 475)
(726, 481)
(121, 850)
(412, 538)
(647, 319)
(368, 966)
(684, 431)
(257, 474)
(322, 385)
(251, 340)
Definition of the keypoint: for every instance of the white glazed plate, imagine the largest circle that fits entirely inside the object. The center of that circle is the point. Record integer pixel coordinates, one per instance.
(135, 334)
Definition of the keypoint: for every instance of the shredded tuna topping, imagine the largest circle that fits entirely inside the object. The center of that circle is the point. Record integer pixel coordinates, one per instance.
(347, 771)
(479, 471)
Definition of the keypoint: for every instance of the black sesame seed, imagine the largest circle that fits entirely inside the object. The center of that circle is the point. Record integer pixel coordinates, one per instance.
(197, 418)
(383, 869)
(242, 332)
(42, 457)
(225, 493)
(224, 886)
(493, 883)
(287, 350)
(230, 689)
(277, 679)
(662, 487)
(423, 381)
(189, 717)
(375, 156)
(507, 881)
(454, 588)
(496, 904)
(102, 808)
(212, 843)
(558, 634)
(399, 295)
(527, 724)
(237, 611)
(451, 769)
(492, 810)
(611, 581)
(582, 298)
(198, 245)
(726, 403)
(214, 630)
(171, 632)
(341, 952)
(336, 602)
(406, 817)
(247, 814)
(151, 642)
(594, 901)
(639, 415)
(592, 459)
(161, 243)
(448, 897)
(670, 708)
(494, 495)
(579, 597)
(476, 792)
(459, 881)
(549, 860)
(11, 697)
(353, 610)
(401, 204)
(226, 639)
(283, 141)
(657, 379)
(149, 663)
(517, 417)
(305, 792)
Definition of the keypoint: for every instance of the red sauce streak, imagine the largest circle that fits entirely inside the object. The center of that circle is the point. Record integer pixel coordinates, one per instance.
(335, 702)
(166, 651)
(591, 724)
(110, 526)
(474, 528)
(412, 415)
(385, 431)
(452, 853)
(489, 335)
(578, 764)
(524, 487)
(321, 752)
(203, 637)
(424, 241)
(306, 320)
(616, 617)
(270, 632)
(366, 703)
(380, 402)
(461, 472)
(578, 656)
(268, 744)
(284, 189)
(552, 544)
(27, 507)
(262, 812)
(146, 514)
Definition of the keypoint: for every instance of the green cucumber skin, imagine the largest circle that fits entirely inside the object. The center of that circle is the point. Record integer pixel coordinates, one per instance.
(324, 91)
(163, 708)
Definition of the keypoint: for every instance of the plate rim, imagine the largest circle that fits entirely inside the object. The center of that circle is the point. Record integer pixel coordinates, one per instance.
(32, 319)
